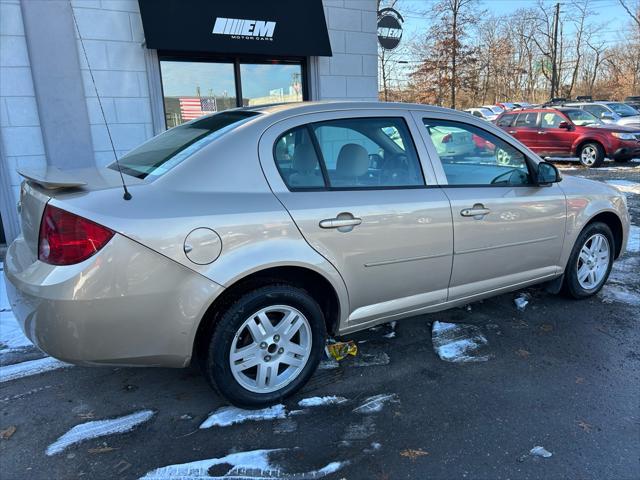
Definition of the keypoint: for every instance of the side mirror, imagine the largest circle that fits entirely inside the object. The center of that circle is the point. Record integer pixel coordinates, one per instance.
(564, 125)
(547, 174)
(607, 117)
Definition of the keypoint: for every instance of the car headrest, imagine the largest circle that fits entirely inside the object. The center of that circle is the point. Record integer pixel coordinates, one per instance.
(304, 158)
(353, 161)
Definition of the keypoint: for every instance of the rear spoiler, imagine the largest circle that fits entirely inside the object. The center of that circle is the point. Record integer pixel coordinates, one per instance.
(51, 178)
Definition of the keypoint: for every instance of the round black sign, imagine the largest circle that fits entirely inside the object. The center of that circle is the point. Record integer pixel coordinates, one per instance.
(389, 28)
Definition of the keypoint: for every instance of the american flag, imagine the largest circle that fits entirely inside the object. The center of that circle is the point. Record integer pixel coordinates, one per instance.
(194, 107)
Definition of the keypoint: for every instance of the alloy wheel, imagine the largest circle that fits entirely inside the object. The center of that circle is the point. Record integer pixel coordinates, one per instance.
(270, 349)
(588, 155)
(593, 261)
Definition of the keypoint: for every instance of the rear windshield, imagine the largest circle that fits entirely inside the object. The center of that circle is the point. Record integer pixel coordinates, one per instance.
(161, 153)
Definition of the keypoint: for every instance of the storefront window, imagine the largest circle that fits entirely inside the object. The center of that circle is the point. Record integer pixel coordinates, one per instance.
(196, 86)
(270, 83)
(194, 89)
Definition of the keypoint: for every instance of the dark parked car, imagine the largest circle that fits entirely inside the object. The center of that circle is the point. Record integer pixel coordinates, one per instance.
(633, 101)
(571, 132)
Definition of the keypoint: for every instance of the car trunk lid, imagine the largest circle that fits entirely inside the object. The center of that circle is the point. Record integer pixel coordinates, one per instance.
(41, 185)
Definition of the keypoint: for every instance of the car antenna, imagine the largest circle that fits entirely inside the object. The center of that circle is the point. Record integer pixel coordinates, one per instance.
(127, 195)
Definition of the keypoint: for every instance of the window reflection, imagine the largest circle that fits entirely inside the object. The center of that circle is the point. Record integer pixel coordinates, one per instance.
(194, 89)
(270, 83)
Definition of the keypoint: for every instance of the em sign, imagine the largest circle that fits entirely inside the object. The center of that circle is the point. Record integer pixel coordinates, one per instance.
(389, 28)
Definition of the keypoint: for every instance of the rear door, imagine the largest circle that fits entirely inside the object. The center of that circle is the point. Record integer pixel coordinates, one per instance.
(353, 183)
(507, 231)
(525, 129)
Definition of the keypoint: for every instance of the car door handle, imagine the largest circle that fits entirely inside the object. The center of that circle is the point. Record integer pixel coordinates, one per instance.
(340, 222)
(477, 211)
(540, 132)
(513, 131)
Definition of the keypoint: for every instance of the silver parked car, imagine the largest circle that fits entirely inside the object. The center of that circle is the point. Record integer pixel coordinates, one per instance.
(253, 233)
(611, 112)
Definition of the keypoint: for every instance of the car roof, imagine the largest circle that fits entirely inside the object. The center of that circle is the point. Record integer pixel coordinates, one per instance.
(295, 108)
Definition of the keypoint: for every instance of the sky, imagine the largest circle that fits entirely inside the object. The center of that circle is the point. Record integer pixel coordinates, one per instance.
(609, 14)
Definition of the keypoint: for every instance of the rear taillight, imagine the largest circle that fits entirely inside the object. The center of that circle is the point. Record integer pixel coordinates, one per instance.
(66, 238)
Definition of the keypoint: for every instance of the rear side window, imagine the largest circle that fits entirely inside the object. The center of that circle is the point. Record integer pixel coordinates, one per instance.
(297, 160)
(355, 153)
(527, 120)
(163, 152)
(506, 120)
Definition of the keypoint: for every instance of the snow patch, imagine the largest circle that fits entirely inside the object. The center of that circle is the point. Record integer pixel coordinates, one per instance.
(458, 343)
(246, 465)
(376, 403)
(633, 244)
(32, 367)
(521, 302)
(540, 452)
(226, 416)
(626, 186)
(99, 428)
(622, 285)
(321, 401)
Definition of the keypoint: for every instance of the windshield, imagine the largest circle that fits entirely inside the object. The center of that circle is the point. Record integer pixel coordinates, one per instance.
(622, 109)
(165, 151)
(486, 112)
(582, 117)
(495, 109)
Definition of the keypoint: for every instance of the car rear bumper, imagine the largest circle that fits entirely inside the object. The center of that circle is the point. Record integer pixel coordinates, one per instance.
(126, 305)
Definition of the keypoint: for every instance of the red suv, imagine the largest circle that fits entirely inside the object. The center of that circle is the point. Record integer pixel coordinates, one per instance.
(571, 132)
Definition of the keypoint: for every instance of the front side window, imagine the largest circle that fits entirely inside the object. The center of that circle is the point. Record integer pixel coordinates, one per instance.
(472, 156)
(349, 154)
(550, 120)
(161, 153)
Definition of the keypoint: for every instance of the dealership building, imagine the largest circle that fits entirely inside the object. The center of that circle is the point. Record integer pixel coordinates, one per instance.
(158, 63)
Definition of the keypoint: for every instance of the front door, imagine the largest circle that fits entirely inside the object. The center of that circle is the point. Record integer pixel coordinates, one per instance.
(555, 140)
(353, 183)
(507, 231)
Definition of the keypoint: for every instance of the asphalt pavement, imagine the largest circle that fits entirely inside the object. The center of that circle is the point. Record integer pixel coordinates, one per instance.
(560, 374)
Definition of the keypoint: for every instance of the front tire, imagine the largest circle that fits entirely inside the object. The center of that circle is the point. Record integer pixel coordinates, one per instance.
(590, 261)
(266, 345)
(591, 155)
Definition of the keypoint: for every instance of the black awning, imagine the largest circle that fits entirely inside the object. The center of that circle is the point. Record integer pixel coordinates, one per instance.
(252, 27)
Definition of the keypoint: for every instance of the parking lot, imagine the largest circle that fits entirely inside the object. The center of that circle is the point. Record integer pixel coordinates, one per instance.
(559, 374)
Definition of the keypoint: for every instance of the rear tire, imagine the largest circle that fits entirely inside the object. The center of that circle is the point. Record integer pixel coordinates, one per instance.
(590, 261)
(621, 160)
(254, 357)
(591, 155)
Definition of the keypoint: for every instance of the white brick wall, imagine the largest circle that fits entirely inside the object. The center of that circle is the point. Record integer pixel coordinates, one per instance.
(112, 34)
(20, 132)
(352, 71)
